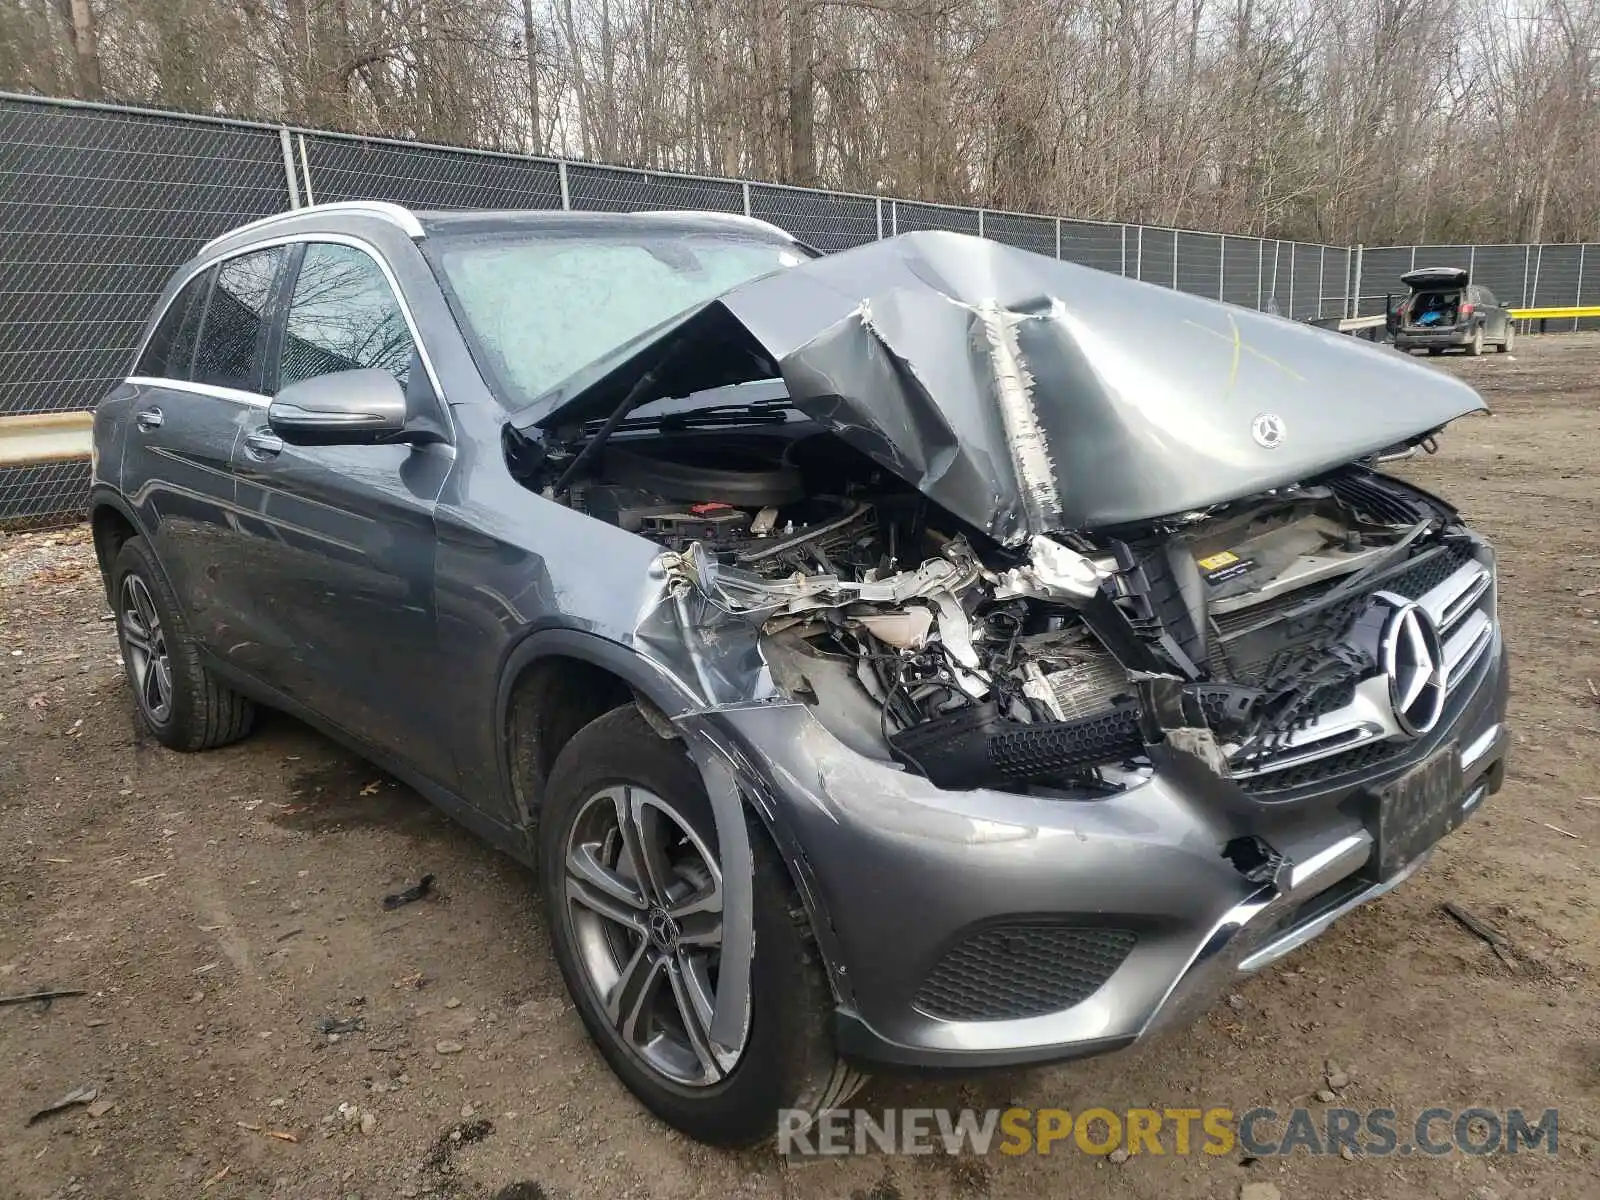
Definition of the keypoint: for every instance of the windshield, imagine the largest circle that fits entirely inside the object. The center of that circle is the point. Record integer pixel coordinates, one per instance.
(538, 309)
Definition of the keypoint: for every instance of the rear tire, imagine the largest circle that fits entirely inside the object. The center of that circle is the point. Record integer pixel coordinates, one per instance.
(175, 699)
(617, 769)
(1475, 346)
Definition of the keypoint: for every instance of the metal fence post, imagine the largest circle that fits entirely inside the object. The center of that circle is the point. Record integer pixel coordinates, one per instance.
(1413, 265)
(1174, 260)
(305, 169)
(566, 194)
(1322, 266)
(894, 219)
(1222, 265)
(1058, 238)
(1290, 311)
(287, 144)
(745, 188)
(1355, 300)
(1138, 255)
(1577, 298)
(1538, 262)
(1527, 261)
(980, 222)
(879, 207)
(1261, 266)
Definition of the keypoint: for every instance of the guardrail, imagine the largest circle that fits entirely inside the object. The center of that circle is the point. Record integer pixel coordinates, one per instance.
(33, 439)
(1556, 313)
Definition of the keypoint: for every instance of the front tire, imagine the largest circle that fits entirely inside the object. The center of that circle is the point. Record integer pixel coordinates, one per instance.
(176, 700)
(1510, 339)
(631, 877)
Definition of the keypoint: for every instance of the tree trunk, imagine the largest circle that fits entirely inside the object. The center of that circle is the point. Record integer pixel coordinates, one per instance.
(530, 47)
(85, 48)
(802, 93)
(608, 84)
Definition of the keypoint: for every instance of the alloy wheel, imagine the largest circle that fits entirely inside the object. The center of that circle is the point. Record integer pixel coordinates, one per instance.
(149, 664)
(644, 899)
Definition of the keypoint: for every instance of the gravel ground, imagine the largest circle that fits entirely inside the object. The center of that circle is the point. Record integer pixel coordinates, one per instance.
(216, 907)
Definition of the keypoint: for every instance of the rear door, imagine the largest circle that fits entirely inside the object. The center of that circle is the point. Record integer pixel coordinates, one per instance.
(339, 540)
(200, 370)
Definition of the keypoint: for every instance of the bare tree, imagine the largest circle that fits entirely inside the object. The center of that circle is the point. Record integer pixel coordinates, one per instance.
(1337, 120)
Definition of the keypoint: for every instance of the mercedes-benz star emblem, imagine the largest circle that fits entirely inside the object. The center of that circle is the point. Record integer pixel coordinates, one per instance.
(1413, 659)
(1268, 430)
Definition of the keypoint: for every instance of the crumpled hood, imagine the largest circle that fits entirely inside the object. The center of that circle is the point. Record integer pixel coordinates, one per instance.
(1027, 395)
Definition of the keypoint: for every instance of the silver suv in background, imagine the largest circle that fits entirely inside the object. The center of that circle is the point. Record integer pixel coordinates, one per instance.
(879, 658)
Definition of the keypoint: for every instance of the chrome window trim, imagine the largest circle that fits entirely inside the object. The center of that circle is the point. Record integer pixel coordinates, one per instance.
(201, 264)
(236, 395)
(384, 210)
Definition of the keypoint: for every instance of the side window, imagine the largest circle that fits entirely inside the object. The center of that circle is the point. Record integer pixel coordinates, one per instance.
(171, 347)
(343, 316)
(230, 350)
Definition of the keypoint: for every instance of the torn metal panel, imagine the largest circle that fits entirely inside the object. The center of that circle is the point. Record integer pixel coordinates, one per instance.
(1026, 395)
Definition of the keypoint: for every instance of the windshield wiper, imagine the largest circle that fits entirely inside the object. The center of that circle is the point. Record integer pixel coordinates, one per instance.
(759, 412)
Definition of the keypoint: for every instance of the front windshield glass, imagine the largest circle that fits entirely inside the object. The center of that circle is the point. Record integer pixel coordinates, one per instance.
(540, 308)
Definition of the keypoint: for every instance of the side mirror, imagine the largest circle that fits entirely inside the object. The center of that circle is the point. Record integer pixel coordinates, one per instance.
(365, 407)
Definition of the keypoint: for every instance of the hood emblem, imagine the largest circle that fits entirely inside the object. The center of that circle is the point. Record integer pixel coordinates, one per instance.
(1268, 430)
(1413, 660)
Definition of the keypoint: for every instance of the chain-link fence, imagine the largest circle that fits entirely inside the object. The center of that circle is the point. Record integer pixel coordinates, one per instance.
(98, 205)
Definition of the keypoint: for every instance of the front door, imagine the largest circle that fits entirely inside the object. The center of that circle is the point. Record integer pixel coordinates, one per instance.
(340, 539)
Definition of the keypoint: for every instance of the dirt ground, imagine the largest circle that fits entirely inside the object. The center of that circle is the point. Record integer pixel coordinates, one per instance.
(215, 907)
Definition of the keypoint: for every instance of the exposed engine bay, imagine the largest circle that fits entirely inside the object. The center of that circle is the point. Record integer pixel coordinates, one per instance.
(1056, 664)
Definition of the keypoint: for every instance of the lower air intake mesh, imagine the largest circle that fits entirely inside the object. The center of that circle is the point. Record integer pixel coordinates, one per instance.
(1052, 747)
(1011, 971)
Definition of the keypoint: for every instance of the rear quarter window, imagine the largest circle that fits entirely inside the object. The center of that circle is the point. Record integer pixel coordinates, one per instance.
(170, 350)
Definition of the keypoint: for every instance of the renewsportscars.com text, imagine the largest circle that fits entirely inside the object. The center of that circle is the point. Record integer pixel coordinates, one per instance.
(1261, 1132)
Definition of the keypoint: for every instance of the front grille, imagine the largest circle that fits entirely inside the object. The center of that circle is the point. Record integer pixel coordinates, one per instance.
(1328, 767)
(1012, 971)
(1248, 643)
(1427, 573)
(1376, 498)
(1354, 738)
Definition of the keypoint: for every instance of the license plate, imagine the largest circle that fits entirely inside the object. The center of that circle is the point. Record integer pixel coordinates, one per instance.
(1418, 809)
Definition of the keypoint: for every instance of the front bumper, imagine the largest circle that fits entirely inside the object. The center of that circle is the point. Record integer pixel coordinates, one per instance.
(903, 873)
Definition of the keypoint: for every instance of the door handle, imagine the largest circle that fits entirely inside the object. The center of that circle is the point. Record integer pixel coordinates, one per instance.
(263, 443)
(148, 419)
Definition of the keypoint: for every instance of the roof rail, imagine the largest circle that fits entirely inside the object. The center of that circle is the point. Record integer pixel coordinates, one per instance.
(395, 214)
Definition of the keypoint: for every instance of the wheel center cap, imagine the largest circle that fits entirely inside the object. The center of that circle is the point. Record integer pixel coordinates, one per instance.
(663, 930)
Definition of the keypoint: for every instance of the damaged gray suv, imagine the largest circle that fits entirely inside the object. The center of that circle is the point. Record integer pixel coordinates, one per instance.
(883, 659)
